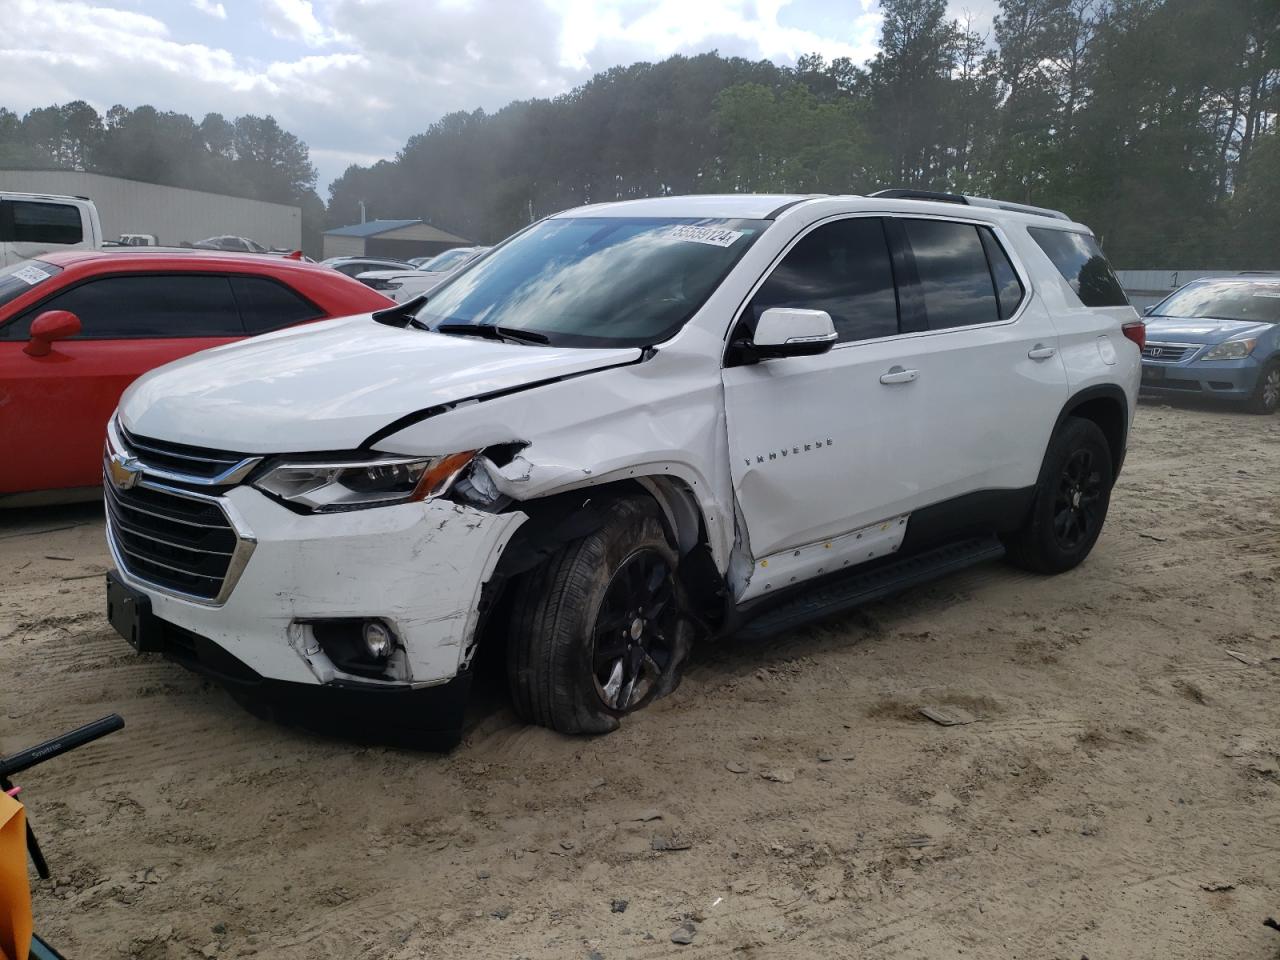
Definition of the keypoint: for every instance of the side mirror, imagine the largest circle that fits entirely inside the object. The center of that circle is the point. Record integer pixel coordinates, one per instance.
(50, 326)
(788, 332)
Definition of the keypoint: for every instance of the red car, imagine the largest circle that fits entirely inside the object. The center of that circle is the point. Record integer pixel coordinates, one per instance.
(78, 327)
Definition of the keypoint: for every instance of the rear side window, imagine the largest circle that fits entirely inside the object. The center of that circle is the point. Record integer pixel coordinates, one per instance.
(1008, 287)
(844, 269)
(1080, 261)
(267, 304)
(155, 306)
(955, 280)
(37, 222)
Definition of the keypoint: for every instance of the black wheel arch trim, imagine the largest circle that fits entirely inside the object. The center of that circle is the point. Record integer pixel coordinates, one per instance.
(1103, 391)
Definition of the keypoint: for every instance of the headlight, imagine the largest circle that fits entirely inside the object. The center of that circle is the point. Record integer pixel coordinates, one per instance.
(1231, 350)
(376, 481)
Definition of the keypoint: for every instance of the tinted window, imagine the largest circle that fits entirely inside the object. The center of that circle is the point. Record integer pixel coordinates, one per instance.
(595, 281)
(269, 305)
(1008, 287)
(145, 306)
(35, 222)
(955, 280)
(1079, 259)
(844, 269)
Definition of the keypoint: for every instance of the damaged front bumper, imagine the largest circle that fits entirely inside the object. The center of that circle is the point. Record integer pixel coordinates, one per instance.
(417, 568)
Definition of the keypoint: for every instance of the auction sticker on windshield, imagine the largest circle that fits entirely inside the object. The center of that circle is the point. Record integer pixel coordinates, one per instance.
(30, 274)
(716, 236)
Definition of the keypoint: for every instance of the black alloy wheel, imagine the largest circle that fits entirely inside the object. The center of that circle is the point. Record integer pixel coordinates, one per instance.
(1075, 508)
(631, 642)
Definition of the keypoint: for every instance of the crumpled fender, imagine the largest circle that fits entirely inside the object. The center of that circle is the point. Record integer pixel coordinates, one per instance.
(660, 417)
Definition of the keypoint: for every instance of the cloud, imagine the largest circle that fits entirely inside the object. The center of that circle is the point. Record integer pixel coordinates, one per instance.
(295, 20)
(356, 78)
(215, 10)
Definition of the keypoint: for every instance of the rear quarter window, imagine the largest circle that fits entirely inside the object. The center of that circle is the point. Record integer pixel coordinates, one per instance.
(1080, 261)
(267, 304)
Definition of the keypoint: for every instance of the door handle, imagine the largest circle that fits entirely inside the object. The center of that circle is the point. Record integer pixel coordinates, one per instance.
(1041, 352)
(897, 374)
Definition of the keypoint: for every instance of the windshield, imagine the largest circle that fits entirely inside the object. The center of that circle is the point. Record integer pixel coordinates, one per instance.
(446, 261)
(596, 281)
(1252, 300)
(17, 278)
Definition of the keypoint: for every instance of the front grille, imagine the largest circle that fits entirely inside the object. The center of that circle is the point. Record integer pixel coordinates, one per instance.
(182, 543)
(179, 457)
(1168, 352)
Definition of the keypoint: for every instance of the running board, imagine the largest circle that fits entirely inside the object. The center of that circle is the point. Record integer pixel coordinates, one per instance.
(855, 589)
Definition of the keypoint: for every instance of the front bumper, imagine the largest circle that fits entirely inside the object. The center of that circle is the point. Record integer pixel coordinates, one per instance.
(429, 718)
(1213, 379)
(419, 567)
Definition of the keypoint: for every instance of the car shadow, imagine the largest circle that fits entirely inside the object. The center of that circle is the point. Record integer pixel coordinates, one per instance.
(1192, 402)
(32, 521)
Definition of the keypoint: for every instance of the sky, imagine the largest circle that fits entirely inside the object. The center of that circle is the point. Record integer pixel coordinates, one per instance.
(354, 79)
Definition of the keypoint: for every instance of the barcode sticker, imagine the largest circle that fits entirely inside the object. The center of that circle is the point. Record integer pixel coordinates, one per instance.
(716, 236)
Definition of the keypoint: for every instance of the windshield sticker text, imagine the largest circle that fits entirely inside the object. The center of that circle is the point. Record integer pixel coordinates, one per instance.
(31, 275)
(716, 236)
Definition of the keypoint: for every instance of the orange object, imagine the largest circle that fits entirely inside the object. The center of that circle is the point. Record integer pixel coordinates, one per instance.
(15, 892)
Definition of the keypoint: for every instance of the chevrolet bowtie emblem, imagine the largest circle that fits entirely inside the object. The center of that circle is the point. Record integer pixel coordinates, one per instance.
(125, 471)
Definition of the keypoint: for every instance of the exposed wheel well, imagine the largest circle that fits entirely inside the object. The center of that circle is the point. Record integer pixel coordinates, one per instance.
(561, 518)
(1110, 412)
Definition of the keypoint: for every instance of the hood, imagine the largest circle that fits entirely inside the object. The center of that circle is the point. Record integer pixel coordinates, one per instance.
(1187, 330)
(330, 385)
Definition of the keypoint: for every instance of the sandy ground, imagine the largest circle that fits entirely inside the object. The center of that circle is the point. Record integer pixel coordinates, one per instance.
(1118, 798)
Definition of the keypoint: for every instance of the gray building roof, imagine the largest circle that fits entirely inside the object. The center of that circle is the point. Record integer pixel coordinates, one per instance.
(370, 229)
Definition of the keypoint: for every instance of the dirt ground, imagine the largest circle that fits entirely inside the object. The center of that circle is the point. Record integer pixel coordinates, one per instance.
(1118, 797)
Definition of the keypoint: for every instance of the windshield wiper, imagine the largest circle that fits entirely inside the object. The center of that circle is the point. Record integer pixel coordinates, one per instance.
(491, 332)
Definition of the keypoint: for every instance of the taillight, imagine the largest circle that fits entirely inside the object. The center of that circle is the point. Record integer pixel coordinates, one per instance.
(1136, 331)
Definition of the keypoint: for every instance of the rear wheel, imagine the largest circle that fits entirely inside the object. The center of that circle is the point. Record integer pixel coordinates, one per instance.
(1071, 500)
(1266, 395)
(596, 632)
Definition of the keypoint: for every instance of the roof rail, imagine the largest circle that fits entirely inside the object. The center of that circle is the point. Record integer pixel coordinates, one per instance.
(901, 194)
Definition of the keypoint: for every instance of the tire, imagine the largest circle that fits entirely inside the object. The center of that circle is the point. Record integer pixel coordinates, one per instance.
(596, 631)
(1266, 395)
(1070, 504)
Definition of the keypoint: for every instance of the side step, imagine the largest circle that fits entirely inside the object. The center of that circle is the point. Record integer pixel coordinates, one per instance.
(855, 589)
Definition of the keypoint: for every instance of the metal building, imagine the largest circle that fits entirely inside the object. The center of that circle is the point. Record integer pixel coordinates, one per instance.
(172, 214)
(399, 239)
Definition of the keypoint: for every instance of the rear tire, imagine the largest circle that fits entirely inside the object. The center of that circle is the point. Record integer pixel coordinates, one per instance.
(1266, 395)
(596, 631)
(1071, 500)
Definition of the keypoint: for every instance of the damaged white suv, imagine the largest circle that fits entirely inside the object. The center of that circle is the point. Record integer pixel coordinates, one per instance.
(630, 427)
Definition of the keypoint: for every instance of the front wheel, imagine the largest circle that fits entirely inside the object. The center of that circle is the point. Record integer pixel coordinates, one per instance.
(1266, 395)
(596, 632)
(1071, 500)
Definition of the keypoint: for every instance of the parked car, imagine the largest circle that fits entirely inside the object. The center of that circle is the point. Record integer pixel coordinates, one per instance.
(138, 240)
(402, 285)
(630, 426)
(1217, 338)
(230, 244)
(76, 328)
(354, 266)
(32, 223)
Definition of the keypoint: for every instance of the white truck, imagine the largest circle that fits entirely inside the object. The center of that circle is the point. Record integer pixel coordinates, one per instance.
(35, 223)
(629, 427)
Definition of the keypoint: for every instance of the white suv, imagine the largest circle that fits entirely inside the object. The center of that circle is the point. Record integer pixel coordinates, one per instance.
(629, 427)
